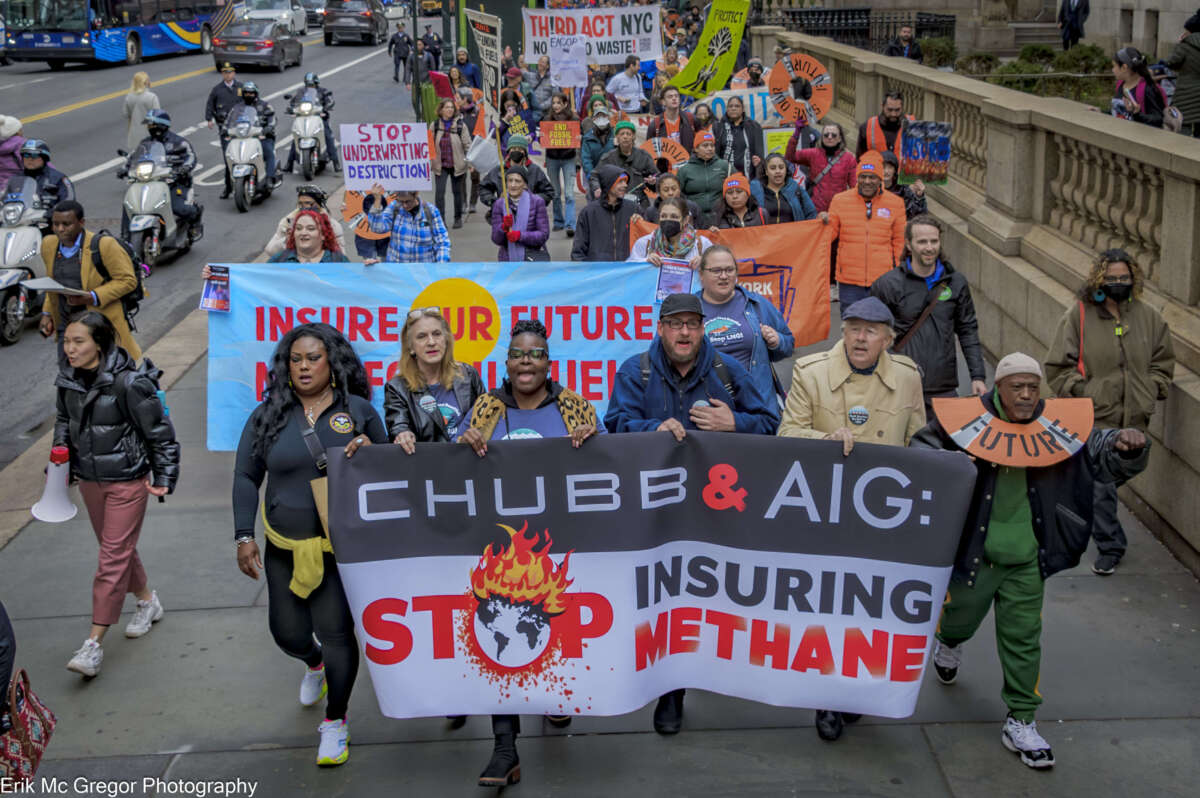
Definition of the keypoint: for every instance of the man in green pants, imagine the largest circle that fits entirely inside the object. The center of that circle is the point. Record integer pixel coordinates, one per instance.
(1030, 517)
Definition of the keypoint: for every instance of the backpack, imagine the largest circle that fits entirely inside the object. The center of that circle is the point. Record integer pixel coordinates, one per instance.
(131, 302)
(718, 366)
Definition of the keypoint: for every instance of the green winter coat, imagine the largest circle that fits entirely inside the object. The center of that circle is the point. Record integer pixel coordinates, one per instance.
(1185, 60)
(1126, 373)
(702, 181)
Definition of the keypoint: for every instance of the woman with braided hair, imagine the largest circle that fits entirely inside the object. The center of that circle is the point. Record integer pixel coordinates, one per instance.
(528, 404)
(318, 397)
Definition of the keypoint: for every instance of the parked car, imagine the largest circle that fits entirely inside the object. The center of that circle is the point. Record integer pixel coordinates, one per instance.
(363, 20)
(269, 44)
(314, 12)
(289, 12)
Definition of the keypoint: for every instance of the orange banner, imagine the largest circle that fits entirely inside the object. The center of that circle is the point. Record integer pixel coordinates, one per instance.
(786, 263)
(560, 135)
(1057, 434)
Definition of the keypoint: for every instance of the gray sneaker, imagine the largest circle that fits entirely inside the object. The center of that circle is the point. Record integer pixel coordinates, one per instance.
(146, 614)
(1105, 565)
(87, 659)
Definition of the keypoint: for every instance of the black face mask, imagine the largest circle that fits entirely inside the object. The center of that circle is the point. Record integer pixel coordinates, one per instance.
(670, 228)
(1119, 292)
(516, 156)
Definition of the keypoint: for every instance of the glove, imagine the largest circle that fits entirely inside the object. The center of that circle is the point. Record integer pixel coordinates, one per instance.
(514, 236)
(507, 223)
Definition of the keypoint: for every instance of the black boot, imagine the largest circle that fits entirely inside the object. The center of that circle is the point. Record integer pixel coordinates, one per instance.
(504, 767)
(668, 715)
(829, 724)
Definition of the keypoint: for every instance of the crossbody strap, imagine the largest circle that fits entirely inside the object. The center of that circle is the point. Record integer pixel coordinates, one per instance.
(925, 314)
(829, 164)
(311, 441)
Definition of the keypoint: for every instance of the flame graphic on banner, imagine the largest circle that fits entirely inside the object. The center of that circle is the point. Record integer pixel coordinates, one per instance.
(520, 574)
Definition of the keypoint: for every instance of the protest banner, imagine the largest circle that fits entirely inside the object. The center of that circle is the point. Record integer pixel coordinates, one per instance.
(560, 135)
(757, 103)
(568, 63)
(485, 28)
(597, 314)
(794, 76)
(714, 57)
(393, 154)
(786, 263)
(543, 579)
(608, 34)
(666, 152)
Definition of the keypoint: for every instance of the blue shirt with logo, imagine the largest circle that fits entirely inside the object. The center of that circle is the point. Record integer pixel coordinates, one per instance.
(444, 401)
(729, 329)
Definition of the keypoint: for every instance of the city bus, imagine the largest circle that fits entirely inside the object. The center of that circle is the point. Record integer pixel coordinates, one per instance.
(110, 31)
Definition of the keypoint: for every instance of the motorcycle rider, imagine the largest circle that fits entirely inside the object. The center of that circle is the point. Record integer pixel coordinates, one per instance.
(312, 81)
(53, 186)
(182, 158)
(221, 99)
(266, 120)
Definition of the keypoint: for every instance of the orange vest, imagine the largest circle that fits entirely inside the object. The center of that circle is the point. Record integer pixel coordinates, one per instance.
(877, 141)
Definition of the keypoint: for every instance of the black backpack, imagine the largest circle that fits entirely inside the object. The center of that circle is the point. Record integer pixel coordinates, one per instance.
(718, 366)
(131, 302)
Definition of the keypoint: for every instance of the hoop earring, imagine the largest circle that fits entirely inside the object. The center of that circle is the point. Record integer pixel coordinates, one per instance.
(1099, 296)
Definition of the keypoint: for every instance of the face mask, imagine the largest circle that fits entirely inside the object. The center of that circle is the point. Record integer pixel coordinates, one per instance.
(1119, 292)
(670, 228)
(516, 156)
(601, 122)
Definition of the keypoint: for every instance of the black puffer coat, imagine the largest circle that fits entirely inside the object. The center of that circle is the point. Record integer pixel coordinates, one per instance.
(116, 429)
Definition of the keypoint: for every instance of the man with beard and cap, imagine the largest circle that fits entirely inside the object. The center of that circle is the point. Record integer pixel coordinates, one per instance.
(1029, 518)
(858, 391)
(883, 132)
(868, 225)
(904, 46)
(630, 159)
(399, 46)
(602, 228)
(491, 187)
(470, 72)
(754, 74)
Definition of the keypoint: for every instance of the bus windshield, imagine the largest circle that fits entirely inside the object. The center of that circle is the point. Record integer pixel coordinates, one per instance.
(47, 15)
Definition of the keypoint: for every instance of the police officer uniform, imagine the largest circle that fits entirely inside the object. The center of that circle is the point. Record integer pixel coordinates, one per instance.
(399, 46)
(220, 100)
(433, 44)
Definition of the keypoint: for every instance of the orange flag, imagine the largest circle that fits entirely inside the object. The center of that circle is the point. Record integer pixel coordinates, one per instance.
(786, 263)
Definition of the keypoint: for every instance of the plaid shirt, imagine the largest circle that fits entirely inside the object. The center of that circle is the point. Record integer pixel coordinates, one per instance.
(412, 239)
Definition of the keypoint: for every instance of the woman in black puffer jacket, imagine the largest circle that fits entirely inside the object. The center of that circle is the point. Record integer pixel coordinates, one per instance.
(122, 448)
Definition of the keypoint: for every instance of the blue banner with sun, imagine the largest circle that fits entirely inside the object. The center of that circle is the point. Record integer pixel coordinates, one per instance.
(597, 315)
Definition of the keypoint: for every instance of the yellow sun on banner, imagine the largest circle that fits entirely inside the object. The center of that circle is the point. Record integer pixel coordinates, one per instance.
(471, 312)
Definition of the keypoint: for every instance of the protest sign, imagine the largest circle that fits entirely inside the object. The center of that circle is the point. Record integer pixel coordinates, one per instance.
(788, 264)
(215, 296)
(714, 57)
(667, 151)
(597, 314)
(486, 30)
(395, 155)
(560, 135)
(544, 579)
(795, 76)
(568, 63)
(776, 140)
(608, 34)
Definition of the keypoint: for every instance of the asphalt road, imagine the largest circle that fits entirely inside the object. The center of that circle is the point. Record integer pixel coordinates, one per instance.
(79, 112)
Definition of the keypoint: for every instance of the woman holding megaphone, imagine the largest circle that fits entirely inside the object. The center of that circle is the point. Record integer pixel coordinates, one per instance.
(122, 449)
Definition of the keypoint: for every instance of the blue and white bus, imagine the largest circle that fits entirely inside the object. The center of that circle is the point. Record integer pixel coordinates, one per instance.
(111, 31)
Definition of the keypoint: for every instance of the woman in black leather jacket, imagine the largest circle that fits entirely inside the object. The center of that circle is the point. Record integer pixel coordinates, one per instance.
(426, 401)
(122, 448)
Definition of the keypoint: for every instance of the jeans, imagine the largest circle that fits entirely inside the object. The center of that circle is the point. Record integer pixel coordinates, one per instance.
(564, 189)
(366, 248)
(457, 187)
(268, 146)
(848, 294)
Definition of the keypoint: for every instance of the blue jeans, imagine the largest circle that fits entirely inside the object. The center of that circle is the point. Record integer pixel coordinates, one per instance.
(366, 248)
(268, 146)
(849, 294)
(564, 189)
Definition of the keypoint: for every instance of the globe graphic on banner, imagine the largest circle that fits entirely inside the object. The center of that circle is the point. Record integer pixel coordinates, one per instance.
(512, 635)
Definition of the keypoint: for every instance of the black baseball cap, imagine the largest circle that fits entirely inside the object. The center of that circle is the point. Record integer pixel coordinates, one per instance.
(675, 304)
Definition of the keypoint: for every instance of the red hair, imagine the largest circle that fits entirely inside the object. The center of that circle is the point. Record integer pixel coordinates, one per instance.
(328, 239)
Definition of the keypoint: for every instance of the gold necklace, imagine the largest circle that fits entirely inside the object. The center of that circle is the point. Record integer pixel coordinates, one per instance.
(310, 413)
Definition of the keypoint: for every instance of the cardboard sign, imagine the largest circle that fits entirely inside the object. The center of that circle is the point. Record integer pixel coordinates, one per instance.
(787, 75)
(393, 154)
(1057, 434)
(608, 34)
(560, 135)
(664, 148)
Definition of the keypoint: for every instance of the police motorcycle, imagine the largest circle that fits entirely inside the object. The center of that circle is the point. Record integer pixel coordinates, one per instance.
(308, 131)
(244, 155)
(153, 227)
(20, 256)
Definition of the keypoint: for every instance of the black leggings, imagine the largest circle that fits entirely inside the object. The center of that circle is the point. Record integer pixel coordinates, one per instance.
(293, 621)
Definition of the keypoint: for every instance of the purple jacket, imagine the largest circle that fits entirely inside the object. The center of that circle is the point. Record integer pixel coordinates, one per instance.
(10, 159)
(534, 236)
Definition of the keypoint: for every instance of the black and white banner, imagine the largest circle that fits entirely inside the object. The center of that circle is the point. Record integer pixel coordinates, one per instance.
(542, 579)
(486, 30)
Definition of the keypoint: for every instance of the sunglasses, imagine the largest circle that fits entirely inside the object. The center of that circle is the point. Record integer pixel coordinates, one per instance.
(537, 353)
(417, 313)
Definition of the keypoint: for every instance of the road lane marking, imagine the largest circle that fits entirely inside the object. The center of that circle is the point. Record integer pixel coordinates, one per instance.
(27, 82)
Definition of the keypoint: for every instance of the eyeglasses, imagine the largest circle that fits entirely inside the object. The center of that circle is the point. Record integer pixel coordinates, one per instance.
(679, 324)
(537, 353)
(417, 313)
(725, 272)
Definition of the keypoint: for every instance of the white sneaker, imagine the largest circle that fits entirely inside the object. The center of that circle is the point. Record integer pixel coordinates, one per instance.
(833, 293)
(1023, 738)
(946, 660)
(146, 615)
(335, 743)
(87, 659)
(313, 686)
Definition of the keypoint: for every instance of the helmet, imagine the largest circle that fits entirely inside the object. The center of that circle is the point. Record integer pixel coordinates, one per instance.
(311, 79)
(157, 123)
(35, 148)
(311, 190)
(250, 87)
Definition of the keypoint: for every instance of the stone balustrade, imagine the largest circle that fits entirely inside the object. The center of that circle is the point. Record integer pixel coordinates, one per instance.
(1037, 187)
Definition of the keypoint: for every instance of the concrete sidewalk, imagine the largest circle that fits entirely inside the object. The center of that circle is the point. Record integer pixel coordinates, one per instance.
(208, 696)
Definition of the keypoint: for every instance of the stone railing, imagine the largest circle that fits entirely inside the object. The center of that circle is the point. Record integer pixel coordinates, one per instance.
(1037, 187)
